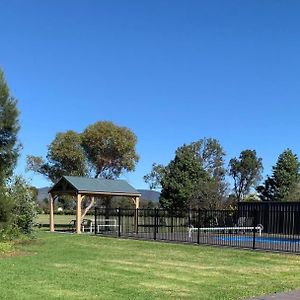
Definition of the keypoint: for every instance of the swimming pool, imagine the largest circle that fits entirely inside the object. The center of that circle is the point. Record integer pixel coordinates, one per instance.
(258, 239)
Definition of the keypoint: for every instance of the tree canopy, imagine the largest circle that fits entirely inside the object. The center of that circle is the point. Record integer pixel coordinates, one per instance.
(109, 149)
(17, 205)
(181, 177)
(211, 156)
(102, 150)
(283, 185)
(246, 172)
(65, 157)
(155, 176)
(196, 176)
(212, 189)
(9, 128)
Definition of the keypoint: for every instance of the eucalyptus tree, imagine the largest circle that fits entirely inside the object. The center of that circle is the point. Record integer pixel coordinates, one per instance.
(154, 178)
(109, 149)
(65, 156)
(246, 172)
(102, 150)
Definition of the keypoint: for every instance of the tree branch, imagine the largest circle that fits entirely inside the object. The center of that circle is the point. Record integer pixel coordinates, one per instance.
(88, 208)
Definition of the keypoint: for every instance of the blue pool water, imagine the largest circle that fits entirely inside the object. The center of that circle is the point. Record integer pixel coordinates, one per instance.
(258, 239)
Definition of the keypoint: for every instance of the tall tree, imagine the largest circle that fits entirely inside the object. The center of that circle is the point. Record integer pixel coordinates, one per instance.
(246, 172)
(196, 177)
(9, 128)
(155, 176)
(267, 189)
(182, 176)
(65, 157)
(102, 150)
(213, 190)
(283, 185)
(209, 194)
(211, 156)
(110, 149)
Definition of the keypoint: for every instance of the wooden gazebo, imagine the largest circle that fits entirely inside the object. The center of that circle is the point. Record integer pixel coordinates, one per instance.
(80, 187)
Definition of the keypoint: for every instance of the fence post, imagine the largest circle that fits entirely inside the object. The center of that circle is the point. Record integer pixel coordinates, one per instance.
(95, 220)
(172, 221)
(155, 223)
(136, 220)
(198, 226)
(119, 222)
(254, 226)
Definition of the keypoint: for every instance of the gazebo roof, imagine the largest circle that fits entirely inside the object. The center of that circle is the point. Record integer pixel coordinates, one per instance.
(96, 186)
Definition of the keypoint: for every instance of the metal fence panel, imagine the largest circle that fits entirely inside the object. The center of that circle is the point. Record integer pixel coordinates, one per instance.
(274, 228)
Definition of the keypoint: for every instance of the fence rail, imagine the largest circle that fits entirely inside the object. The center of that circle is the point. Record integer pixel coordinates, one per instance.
(245, 228)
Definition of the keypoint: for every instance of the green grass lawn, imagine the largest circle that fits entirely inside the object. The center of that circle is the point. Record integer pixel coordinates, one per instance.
(65, 266)
(59, 219)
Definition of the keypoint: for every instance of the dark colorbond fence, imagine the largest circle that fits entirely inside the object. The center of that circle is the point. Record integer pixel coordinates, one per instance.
(246, 227)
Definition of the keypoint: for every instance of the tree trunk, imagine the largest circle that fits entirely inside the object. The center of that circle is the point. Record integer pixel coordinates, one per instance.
(88, 207)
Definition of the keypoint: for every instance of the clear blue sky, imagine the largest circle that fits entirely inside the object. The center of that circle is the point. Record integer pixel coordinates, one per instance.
(172, 71)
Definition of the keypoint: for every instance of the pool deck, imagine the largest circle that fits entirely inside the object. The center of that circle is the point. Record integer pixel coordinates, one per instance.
(294, 295)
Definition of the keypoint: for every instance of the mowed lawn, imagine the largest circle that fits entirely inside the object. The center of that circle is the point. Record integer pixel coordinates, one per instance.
(59, 219)
(66, 266)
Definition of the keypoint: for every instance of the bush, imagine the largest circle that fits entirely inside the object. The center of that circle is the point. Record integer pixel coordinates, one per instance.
(17, 209)
(6, 247)
(9, 233)
(6, 208)
(25, 208)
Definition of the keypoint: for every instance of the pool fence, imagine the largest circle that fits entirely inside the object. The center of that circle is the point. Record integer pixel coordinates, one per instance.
(265, 227)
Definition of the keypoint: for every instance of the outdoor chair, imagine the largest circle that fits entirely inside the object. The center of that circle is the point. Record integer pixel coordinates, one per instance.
(85, 224)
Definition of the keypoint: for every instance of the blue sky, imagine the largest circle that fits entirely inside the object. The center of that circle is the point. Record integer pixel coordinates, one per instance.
(172, 71)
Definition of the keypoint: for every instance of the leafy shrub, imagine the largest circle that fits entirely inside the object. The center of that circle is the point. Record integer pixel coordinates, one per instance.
(6, 208)
(25, 208)
(17, 209)
(6, 247)
(9, 233)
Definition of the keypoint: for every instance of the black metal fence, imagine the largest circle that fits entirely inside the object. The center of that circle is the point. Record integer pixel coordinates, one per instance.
(277, 217)
(246, 227)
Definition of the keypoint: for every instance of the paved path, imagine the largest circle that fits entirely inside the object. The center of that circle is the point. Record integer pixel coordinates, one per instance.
(294, 295)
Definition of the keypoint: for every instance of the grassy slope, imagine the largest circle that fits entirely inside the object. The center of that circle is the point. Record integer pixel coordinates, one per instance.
(60, 266)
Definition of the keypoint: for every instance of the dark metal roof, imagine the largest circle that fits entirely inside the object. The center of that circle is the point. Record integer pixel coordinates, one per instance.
(96, 185)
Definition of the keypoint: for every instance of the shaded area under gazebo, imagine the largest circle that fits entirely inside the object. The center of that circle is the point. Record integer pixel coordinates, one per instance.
(80, 187)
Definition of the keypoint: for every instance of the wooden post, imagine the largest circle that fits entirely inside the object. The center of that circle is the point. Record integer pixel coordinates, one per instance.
(51, 206)
(136, 201)
(78, 213)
